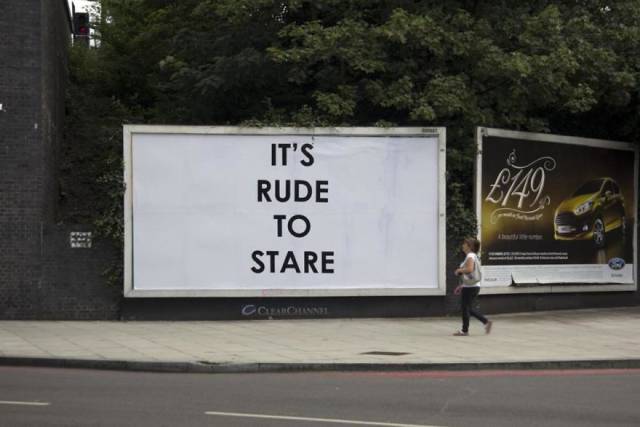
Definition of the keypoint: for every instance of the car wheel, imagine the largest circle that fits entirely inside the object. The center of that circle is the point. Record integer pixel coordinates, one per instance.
(599, 233)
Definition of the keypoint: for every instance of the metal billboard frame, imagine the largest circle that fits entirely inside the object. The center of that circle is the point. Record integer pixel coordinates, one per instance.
(130, 130)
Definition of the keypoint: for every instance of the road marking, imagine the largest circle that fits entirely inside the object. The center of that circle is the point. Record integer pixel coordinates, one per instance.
(501, 373)
(317, 420)
(11, 402)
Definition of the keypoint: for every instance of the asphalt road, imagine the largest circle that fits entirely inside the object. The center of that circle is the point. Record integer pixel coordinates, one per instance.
(64, 397)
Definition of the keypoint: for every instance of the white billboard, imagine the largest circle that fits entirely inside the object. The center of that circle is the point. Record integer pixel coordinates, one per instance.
(227, 211)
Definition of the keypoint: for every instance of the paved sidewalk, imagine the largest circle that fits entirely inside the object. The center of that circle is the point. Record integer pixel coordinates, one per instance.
(578, 338)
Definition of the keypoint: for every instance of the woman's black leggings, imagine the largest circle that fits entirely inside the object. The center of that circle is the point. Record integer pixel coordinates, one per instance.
(468, 299)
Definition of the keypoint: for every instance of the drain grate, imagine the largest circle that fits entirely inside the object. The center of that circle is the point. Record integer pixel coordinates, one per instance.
(385, 353)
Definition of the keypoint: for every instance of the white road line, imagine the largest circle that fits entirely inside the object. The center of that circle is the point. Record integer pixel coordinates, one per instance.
(317, 420)
(10, 402)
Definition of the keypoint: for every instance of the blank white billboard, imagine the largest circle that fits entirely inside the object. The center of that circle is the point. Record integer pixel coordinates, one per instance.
(276, 212)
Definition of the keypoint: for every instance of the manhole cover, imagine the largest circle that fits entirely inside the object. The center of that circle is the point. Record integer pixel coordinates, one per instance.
(385, 353)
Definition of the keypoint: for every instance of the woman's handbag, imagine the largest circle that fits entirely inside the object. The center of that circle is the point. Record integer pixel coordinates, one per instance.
(475, 276)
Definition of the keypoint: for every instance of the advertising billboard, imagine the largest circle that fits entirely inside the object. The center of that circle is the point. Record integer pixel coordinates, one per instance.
(555, 211)
(227, 211)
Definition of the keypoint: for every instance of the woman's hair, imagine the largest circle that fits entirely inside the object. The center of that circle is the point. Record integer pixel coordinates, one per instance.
(473, 243)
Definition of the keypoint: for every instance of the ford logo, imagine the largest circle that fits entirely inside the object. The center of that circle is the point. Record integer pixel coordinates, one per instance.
(616, 263)
(248, 310)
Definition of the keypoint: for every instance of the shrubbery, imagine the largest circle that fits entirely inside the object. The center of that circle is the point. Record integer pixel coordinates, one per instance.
(563, 67)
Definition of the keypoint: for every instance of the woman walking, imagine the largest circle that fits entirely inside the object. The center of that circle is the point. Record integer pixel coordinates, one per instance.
(470, 275)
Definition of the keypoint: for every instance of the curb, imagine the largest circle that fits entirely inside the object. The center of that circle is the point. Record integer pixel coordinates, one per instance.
(219, 368)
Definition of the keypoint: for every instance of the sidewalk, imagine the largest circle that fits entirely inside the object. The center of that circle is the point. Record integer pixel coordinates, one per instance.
(558, 339)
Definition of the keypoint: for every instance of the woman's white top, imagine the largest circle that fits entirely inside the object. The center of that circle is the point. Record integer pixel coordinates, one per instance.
(476, 267)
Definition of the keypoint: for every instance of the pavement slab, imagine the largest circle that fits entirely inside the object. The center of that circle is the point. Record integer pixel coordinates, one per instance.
(581, 338)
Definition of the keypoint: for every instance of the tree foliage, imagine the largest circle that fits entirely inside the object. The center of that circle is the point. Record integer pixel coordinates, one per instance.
(569, 67)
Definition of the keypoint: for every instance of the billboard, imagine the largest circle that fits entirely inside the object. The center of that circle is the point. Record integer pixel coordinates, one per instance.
(556, 211)
(227, 211)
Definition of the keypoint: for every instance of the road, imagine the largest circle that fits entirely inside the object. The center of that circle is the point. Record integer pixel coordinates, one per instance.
(66, 397)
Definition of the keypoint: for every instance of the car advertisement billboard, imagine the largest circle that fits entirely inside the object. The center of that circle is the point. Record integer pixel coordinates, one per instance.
(227, 211)
(555, 211)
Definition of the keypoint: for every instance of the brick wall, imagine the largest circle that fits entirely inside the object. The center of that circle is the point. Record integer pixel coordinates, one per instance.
(41, 277)
(20, 151)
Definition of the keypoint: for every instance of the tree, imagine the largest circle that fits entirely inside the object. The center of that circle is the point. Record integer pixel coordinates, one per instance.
(568, 67)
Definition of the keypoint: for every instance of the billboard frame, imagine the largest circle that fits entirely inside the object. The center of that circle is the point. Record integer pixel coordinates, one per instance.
(129, 130)
(482, 132)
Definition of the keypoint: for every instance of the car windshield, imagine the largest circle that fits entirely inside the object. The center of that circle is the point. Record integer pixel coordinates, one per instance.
(589, 187)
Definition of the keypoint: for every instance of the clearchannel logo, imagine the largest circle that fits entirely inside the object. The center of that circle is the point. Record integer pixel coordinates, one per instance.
(249, 310)
(252, 310)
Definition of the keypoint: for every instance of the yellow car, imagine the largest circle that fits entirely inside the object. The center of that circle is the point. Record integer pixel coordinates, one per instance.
(593, 210)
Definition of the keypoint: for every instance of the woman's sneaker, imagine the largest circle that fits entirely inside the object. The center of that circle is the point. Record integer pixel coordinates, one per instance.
(487, 327)
(460, 334)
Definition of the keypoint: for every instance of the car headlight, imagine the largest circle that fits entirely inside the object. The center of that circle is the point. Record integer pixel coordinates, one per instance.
(583, 208)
